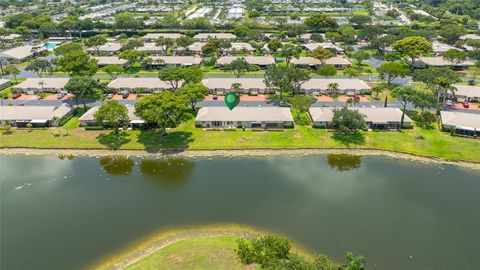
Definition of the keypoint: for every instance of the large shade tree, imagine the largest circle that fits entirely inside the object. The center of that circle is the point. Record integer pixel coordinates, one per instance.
(112, 114)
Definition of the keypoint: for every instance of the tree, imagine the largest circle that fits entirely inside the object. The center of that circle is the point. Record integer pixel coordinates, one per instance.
(274, 45)
(126, 21)
(263, 251)
(474, 71)
(165, 110)
(332, 89)
(113, 70)
(404, 96)
(112, 114)
(192, 75)
(131, 55)
(327, 70)
(286, 78)
(360, 20)
(348, 121)
(377, 89)
(82, 87)
(184, 41)
(214, 46)
(360, 56)
(12, 70)
(451, 33)
(38, 66)
(78, 63)
(193, 93)
(455, 56)
(354, 262)
(66, 48)
(238, 66)
(301, 104)
(165, 43)
(389, 71)
(172, 75)
(133, 44)
(412, 47)
(322, 54)
(351, 72)
(96, 42)
(241, 30)
(370, 32)
(319, 21)
(289, 51)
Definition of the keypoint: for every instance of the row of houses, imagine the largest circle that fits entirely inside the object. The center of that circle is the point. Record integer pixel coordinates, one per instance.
(247, 85)
(243, 117)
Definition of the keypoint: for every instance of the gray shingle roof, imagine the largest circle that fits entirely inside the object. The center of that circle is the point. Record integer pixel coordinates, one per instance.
(247, 114)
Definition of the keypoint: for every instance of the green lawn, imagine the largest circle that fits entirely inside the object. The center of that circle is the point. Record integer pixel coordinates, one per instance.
(195, 253)
(415, 141)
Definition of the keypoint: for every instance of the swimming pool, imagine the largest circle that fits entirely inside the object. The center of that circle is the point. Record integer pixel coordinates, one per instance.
(50, 46)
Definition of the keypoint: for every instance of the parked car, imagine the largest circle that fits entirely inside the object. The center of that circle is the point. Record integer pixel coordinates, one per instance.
(16, 95)
(466, 105)
(449, 102)
(125, 95)
(110, 96)
(215, 97)
(60, 95)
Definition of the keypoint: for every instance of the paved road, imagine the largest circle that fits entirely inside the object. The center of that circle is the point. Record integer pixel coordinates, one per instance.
(210, 103)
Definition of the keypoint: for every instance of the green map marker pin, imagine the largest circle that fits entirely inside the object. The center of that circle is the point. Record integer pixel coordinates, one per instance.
(231, 100)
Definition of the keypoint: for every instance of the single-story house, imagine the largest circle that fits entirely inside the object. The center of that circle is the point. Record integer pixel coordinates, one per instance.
(244, 117)
(196, 47)
(261, 61)
(151, 48)
(325, 45)
(207, 36)
(42, 85)
(266, 50)
(38, 116)
(184, 61)
(108, 48)
(467, 92)
(307, 37)
(238, 47)
(22, 53)
(439, 48)
(155, 36)
(4, 83)
(153, 85)
(423, 62)
(246, 85)
(345, 86)
(470, 36)
(110, 60)
(10, 37)
(307, 61)
(88, 119)
(375, 118)
(463, 123)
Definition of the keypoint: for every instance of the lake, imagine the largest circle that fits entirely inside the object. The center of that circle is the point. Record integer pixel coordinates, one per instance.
(69, 212)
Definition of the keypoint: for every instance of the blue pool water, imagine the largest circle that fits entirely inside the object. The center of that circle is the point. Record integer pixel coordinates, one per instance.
(50, 46)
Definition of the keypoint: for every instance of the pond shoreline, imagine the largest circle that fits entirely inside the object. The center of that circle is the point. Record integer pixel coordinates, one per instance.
(245, 152)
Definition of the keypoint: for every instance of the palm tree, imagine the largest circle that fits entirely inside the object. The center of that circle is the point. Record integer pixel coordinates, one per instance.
(236, 87)
(332, 89)
(41, 84)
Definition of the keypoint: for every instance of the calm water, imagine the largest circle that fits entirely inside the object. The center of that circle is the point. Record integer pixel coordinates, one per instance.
(66, 214)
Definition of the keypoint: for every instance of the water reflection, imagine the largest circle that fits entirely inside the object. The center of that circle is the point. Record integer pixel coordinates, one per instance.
(344, 162)
(117, 165)
(69, 157)
(172, 170)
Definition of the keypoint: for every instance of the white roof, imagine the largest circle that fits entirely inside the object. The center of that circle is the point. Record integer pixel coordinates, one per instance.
(110, 60)
(108, 47)
(147, 47)
(462, 120)
(441, 47)
(325, 45)
(374, 115)
(196, 46)
(136, 83)
(238, 46)
(89, 115)
(51, 83)
(253, 60)
(10, 37)
(470, 36)
(177, 60)
(226, 83)
(4, 81)
(21, 52)
(151, 36)
(440, 61)
(29, 113)
(215, 35)
(343, 84)
(307, 60)
(467, 90)
(247, 114)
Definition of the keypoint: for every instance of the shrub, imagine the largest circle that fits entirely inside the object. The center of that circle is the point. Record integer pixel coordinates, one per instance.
(93, 128)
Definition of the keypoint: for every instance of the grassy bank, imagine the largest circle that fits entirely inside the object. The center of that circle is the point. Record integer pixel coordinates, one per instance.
(195, 253)
(418, 141)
